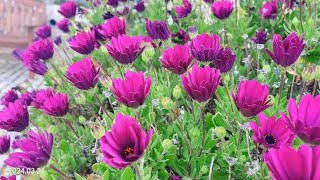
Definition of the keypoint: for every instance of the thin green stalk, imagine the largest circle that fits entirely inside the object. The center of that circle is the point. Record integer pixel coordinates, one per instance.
(60, 172)
(136, 168)
(283, 73)
(102, 106)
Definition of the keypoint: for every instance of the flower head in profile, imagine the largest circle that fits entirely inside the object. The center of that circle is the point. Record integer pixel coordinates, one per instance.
(261, 37)
(13, 177)
(184, 10)
(269, 10)
(43, 32)
(83, 42)
(68, 9)
(28, 96)
(140, 7)
(33, 63)
(112, 28)
(57, 105)
(63, 25)
(206, 47)
(225, 60)
(10, 96)
(17, 53)
(125, 143)
(157, 30)
(14, 117)
(42, 49)
(222, 9)
(41, 96)
(4, 144)
(113, 3)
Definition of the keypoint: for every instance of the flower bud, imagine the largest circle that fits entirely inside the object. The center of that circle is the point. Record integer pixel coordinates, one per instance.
(80, 98)
(295, 21)
(220, 132)
(176, 92)
(194, 133)
(309, 73)
(97, 131)
(82, 119)
(148, 53)
(167, 103)
(204, 170)
(166, 144)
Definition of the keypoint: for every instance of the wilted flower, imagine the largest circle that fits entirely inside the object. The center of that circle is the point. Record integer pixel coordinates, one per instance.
(125, 143)
(157, 30)
(288, 163)
(112, 28)
(206, 47)
(36, 151)
(222, 9)
(68, 9)
(63, 25)
(185, 10)
(270, 132)
(57, 105)
(304, 119)
(133, 90)
(125, 49)
(83, 42)
(201, 83)
(225, 60)
(15, 117)
(42, 49)
(83, 74)
(177, 59)
(43, 32)
(287, 51)
(33, 63)
(269, 10)
(261, 37)
(10, 96)
(4, 144)
(140, 6)
(251, 98)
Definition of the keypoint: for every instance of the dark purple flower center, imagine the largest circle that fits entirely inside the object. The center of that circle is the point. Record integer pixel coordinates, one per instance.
(127, 151)
(270, 139)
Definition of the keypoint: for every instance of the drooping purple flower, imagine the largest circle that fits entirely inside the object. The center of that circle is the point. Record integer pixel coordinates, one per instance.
(177, 59)
(251, 98)
(112, 28)
(125, 143)
(287, 51)
(140, 6)
(68, 9)
(288, 163)
(41, 96)
(113, 3)
(304, 119)
(36, 150)
(270, 132)
(33, 63)
(63, 25)
(107, 15)
(57, 40)
(83, 42)
(15, 117)
(10, 96)
(43, 32)
(225, 60)
(261, 37)
(42, 49)
(222, 9)
(157, 30)
(27, 97)
(13, 177)
(57, 105)
(4, 144)
(206, 47)
(201, 83)
(83, 74)
(17, 53)
(125, 49)
(133, 90)
(269, 10)
(184, 10)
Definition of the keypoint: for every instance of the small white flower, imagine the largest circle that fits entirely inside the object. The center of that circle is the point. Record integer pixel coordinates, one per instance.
(170, 5)
(260, 46)
(170, 20)
(276, 85)
(245, 126)
(155, 102)
(245, 36)
(231, 160)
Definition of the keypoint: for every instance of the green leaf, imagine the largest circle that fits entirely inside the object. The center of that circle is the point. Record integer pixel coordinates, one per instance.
(106, 175)
(64, 146)
(78, 177)
(127, 174)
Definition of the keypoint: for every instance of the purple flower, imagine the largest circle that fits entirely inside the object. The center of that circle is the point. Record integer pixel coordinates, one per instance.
(36, 151)
(269, 10)
(83, 74)
(57, 40)
(57, 105)
(270, 132)
(125, 143)
(180, 37)
(140, 6)
(63, 25)
(17, 53)
(41, 96)
(113, 3)
(206, 47)
(43, 32)
(251, 98)
(15, 117)
(261, 37)
(42, 49)
(177, 59)
(10, 96)
(68, 9)
(27, 97)
(83, 42)
(4, 144)
(288, 163)
(304, 119)
(96, 3)
(125, 49)
(133, 90)
(286, 52)
(225, 60)
(33, 63)
(222, 9)
(185, 10)
(107, 15)
(201, 83)
(13, 177)
(157, 30)
(112, 28)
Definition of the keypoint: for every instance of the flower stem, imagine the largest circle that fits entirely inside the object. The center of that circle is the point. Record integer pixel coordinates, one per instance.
(203, 127)
(102, 106)
(283, 73)
(60, 172)
(138, 116)
(314, 87)
(248, 145)
(229, 172)
(71, 127)
(136, 168)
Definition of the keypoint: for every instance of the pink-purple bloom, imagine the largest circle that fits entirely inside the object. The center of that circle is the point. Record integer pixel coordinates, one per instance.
(41, 96)
(68, 9)
(112, 28)
(270, 132)
(288, 163)
(83, 42)
(184, 10)
(177, 59)
(83, 74)
(201, 83)
(125, 49)
(133, 90)
(27, 97)
(4, 144)
(287, 51)
(157, 30)
(140, 6)
(304, 118)
(206, 47)
(225, 60)
(35, 151)
(10, 96)
(57, 105)
(17, 53)
(33, 63)
(222, 9)
(113, 3)
(42, 49)
(13, 177)
(125, 143)
(269, 10)
(251, 97)
(14, 117)
(43, 32)
(261, 37)
(63, 25)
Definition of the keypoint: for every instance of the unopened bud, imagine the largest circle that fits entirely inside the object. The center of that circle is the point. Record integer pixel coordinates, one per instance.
(166, 144)
(220, 132)
(176, 92)
(82, 119)
(167, 103)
